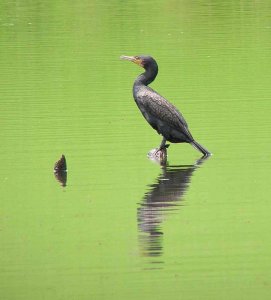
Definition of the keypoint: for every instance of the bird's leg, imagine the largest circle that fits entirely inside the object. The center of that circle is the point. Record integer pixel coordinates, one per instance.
(163, 144)
(160, 153)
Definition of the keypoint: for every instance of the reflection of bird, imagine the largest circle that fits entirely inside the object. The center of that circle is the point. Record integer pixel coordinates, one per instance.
(161, 114)
(163, 197)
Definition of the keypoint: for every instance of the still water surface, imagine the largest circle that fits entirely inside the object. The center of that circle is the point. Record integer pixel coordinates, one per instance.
(125, 227)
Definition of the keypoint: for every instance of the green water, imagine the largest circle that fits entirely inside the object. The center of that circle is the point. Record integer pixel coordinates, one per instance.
(124, 227)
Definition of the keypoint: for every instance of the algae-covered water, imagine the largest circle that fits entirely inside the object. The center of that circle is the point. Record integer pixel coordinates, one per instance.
(124, 227)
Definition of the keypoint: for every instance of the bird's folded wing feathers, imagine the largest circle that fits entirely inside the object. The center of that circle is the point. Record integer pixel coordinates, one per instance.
(160, 108)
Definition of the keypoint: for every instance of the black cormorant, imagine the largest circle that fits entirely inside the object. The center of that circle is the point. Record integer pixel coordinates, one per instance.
(161, 114)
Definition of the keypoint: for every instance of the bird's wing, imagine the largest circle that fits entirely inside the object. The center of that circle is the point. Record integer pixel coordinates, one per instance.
(160, 108)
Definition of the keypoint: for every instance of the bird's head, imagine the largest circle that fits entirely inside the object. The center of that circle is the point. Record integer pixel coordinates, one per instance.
(143, 61)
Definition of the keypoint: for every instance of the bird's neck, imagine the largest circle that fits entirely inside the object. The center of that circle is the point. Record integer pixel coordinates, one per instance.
(147, 77)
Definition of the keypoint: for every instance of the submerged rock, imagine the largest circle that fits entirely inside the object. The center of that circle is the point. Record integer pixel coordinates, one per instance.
(158, 155)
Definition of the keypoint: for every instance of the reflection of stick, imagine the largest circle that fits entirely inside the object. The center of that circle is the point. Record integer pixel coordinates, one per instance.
(61, 177)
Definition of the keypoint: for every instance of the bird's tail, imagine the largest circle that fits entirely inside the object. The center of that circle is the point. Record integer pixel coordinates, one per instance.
(200, 148)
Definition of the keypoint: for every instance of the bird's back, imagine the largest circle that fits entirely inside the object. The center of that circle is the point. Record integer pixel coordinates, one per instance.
(162, 115)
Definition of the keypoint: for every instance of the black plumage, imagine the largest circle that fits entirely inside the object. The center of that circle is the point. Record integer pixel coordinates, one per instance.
(163, 116)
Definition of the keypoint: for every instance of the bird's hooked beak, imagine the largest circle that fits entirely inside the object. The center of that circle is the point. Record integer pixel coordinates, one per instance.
(135, 59)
